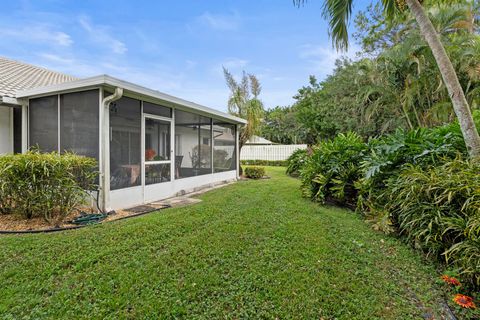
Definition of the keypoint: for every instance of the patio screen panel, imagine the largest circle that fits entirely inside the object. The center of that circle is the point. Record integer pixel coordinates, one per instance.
(224, 146)
(43, 123)
(157, 110)
(17, 130)
(125, 143)
(192, 145)
(79, 126)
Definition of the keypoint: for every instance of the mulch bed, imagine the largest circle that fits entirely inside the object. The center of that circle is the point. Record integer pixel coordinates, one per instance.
(10, 223)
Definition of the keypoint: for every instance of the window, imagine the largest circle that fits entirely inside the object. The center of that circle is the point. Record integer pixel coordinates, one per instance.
(79, 128)
(43, 123)
(157, 150)
(224, 146)
(193, 150)
(125, 140)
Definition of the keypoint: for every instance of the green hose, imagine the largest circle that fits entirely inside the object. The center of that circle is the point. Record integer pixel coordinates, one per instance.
(88, 218)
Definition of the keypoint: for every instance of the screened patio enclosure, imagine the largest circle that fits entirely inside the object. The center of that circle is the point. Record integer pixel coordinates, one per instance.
(149, 146)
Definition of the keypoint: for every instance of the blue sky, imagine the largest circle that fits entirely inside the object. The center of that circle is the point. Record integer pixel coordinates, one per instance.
(177, 47)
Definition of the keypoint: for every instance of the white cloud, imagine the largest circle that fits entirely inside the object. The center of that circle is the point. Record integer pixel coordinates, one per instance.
(220, 22)
(56, 58)
(101, 35)
(322, 57)
(37, 34)
(234, 63)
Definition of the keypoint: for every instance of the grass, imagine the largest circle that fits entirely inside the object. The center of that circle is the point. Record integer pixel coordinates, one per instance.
(255, 249)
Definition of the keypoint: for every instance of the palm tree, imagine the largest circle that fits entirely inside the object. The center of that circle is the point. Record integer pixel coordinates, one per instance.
(338, 13)
(244, 102)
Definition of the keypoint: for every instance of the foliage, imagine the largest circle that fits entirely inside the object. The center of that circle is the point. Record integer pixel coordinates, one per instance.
(296, 161)
(271, 163)
(394, 81)
(438, 210)
(46, 185)
(244, 102)
(250, 250)
(330, 172)
(254, 172)
(389, 154)
(280, 125)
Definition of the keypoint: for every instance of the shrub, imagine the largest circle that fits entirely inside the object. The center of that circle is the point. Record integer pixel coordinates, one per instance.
(296, 161)
(438, 210)
(254, 172)
(46, 185)
(330, 172)
(388, 155)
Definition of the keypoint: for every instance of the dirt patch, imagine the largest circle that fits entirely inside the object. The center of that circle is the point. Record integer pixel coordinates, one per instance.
(13, 222)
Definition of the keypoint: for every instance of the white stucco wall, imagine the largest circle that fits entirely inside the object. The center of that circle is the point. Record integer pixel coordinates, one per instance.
(6, 132)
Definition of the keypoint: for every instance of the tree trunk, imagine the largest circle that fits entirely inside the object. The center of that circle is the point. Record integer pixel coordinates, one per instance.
(240, 169)
(460, 104)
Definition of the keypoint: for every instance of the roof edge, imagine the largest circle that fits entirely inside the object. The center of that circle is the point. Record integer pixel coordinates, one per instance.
(129, 86)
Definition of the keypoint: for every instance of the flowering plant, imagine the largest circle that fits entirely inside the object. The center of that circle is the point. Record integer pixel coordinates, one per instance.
(149, 154)
(464, 301)
(450, 280)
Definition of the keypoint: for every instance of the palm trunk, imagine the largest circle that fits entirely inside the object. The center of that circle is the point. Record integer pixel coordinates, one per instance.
(407, 117)
(460, 104)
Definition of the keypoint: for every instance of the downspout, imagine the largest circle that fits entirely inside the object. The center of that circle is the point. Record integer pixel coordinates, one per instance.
(105, 170)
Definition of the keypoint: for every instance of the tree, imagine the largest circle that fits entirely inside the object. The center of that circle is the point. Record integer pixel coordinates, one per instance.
(244, 102)
(338, 13)
(280, 125)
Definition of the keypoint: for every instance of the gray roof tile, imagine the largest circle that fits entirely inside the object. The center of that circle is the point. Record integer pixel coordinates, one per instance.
(16, 76)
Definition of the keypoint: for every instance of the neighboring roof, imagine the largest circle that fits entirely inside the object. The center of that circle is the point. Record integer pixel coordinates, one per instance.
(258, 140)
(15, 76)
(128, 87)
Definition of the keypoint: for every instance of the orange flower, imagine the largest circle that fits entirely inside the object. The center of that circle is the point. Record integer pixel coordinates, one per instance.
(149, 154)
(450, 280)
(464, 301)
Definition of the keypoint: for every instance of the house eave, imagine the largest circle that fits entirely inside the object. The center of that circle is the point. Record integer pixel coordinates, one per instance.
(106, 80)
(9, 101)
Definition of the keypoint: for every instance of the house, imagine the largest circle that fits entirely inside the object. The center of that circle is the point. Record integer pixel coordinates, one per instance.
(149, 145)
(256, 141)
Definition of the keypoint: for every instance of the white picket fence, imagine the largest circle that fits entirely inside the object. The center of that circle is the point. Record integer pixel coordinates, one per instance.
(269, 152)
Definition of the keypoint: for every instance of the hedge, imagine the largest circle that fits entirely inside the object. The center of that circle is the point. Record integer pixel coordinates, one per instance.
(47, 185)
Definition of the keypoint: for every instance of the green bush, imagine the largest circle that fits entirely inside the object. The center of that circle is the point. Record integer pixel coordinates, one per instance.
(329, 174)
(254, 172)
(46, 185)
(270, 163)
(296, 161)
(438, 210)
(388, 155)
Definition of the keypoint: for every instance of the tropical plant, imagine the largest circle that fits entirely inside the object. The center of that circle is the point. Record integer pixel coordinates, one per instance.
(328, 175)
(437, 209)
(295, 162)
(389, 154)
(244, 102)
(338, 13)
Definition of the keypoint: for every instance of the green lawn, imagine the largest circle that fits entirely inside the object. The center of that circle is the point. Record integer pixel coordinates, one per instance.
(254, 249)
